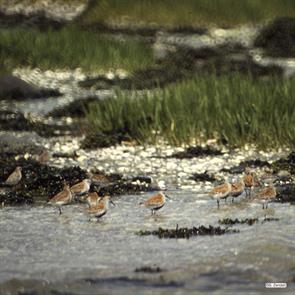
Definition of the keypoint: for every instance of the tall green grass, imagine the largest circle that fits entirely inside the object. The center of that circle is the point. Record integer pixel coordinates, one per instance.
(71, 47)
(187, 12)
(234, 108)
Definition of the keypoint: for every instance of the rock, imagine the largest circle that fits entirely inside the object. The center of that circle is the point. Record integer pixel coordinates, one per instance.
(196, 151)
(185, 63)
(249, 163)
(286, 193)
(287, 164)
(12, 87)
(13, 120)
(16, 121)
(278, 38)
(203, 177)
(249, 221)
(75, 109)
(149, 269)
(39, 20)
(40, 181)
(12, 145)
(94, 140)
(186, 233)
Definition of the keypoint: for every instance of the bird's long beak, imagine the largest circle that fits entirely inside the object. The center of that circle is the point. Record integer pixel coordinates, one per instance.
(168, 197)
(113, 203)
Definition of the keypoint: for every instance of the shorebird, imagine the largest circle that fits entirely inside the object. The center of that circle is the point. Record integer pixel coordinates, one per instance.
(237, 188)
(44, 157)
(221, 191)
(15, 177)
(249, 180)
(62, 198)
(99, 179)
(266, 195)
(155, 202)
(81, 188)
(92, 199)
(101, 208)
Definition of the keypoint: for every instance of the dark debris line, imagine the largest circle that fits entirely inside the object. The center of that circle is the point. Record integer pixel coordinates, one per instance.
(186, 233)
(249, 221)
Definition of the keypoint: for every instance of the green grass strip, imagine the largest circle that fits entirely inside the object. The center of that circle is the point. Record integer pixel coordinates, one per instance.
(235, 108)
(175, 13)
(70, 48)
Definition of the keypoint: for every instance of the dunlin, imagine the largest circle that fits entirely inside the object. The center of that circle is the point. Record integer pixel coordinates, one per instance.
(249, 180)
(44, 157)
(15, 177)
(62, 198)
(155, 202)
(221, 191)
(101, 208)
(92, 199)
(81, 188)
(99, 179)
(266, 195)
(237, 188)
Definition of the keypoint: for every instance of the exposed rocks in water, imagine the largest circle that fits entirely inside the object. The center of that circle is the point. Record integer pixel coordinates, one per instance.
(196, 151)
(249, 221)
(286, 193)
(286, 164)
(40, 181)
(147, 31)
(75, 109)
(149, 269)
(100, 82)
(16, 121)
(186, 233)
(13, 120)
(270, 219)
(94, 140)
(249, 163)
(17, 145)
(12, 87)
(203, 177)
(186, 63)
(278, 38)
(125, 187)
(229, 221)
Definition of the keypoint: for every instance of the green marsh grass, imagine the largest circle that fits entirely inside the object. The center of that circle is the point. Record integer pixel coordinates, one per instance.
(235, 108)
(70, 48)
(176, 13)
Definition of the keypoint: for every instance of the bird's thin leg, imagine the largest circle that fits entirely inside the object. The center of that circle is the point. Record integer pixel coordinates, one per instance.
(59, 210)
(232, 200)
(217, 204)
(262, 206)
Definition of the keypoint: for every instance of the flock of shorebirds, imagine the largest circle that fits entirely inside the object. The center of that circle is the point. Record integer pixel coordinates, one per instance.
(98, 206)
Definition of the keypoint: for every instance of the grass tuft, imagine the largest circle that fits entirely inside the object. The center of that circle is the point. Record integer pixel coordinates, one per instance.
(234, 108)
(175, 13)
(71, 48)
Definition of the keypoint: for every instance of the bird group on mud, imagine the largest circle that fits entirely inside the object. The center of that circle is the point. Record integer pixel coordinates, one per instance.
(98, 206)
(246, 184)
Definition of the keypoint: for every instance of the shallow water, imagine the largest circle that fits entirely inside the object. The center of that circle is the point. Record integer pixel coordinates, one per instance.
(44, 251)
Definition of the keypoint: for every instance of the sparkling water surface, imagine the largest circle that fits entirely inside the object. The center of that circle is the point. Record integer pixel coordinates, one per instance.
(44, 251)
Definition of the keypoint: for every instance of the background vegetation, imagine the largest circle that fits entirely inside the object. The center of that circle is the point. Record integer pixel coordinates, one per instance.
(233, 108)
(175, 13)
(71, 47)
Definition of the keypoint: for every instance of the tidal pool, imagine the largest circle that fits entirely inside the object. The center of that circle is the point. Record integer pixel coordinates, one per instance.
(43, 252)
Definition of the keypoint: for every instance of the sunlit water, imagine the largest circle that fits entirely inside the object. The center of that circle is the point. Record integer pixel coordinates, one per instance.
(44, 251)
